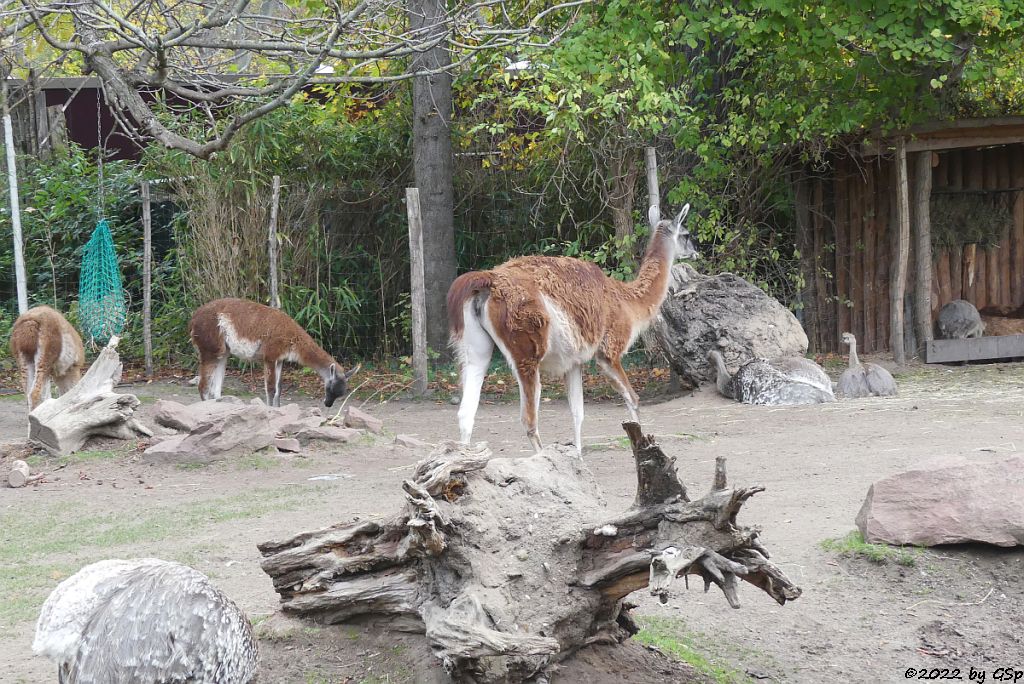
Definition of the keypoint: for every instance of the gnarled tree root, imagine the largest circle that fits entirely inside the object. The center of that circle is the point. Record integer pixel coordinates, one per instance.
(509, 565)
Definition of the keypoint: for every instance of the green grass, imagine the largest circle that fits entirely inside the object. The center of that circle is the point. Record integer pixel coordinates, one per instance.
(45, 544)
(853, 545)
(259, 460)
(672, 637)
(43, 460)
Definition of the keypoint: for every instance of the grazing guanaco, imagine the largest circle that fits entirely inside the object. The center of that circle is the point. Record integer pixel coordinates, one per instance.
(47, 348)
(256, 332)
(554, 314)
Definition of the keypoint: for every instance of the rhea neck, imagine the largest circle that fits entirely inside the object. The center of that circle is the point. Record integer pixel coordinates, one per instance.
(854, 361)
(722, 379)
(651, 283)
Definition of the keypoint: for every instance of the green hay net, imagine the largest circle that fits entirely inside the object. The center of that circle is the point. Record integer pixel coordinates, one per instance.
(101, 305)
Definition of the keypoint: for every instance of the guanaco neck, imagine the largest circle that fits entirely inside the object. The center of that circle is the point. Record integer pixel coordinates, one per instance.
(316, 359)
(647, 291)
(854, 361)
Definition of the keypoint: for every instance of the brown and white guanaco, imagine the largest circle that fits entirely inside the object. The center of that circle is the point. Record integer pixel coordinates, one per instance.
(554, 314)
(256, 332)
(47, 348)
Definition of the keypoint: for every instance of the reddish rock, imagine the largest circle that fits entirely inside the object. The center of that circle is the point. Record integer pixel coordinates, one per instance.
(356, 418)
(328, 433)
(289, 444)
(411, 442)
(950, 501)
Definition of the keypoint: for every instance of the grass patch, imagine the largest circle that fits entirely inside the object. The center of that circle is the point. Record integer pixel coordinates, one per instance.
(671, 636)
(853, 545)
(46, 544)
(259, 460)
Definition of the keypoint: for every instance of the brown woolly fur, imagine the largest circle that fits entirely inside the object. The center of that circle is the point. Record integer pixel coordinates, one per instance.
(47, 348)
(256, 332)
(554, 314)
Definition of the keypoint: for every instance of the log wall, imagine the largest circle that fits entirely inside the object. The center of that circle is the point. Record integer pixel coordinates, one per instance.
(852, 210)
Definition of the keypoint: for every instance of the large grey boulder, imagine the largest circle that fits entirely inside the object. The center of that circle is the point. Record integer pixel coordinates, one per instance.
(722, 313)
(949, 501)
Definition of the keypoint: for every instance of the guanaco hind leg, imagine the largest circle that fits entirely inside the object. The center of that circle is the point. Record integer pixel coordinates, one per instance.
(475, 348)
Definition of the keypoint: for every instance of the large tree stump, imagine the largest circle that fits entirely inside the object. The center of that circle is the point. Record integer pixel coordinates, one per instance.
(89, 409)
(509, 565)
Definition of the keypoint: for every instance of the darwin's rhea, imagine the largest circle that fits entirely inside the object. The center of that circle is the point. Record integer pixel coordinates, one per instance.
(144, 621)
(863, 379)
(759, 382)
(958, 320)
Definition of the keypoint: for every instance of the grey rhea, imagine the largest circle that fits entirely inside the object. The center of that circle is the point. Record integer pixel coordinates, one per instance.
(760, 382)
(863, 379)
(958, 320)
(144, 621)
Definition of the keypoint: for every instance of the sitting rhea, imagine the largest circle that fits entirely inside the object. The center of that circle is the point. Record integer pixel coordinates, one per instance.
(863, 379)
(958, 320)
(145, 621)
(759, 382)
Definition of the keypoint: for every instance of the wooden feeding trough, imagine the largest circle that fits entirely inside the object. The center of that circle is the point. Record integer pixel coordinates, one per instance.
(1000, 347)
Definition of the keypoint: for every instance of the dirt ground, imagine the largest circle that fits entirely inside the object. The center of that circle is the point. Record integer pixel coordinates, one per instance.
(955, 607)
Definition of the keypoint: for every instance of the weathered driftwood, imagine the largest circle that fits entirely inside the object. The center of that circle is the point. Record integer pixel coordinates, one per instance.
(89, 409)
(510, 565)
(19, 475)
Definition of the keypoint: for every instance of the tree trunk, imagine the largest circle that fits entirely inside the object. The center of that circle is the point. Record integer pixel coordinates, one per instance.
(511, 565)
(89, 409)
(621, 195)
(433, 167)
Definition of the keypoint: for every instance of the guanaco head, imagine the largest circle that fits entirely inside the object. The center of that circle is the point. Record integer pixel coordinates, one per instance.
(684, 247)
(337, 384)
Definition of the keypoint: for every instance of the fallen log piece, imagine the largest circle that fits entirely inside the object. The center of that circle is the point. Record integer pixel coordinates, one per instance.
(510, 565)
(89, 409)
(19, 475)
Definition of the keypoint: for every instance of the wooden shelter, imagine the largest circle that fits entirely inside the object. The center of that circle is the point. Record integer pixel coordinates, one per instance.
(899, 226)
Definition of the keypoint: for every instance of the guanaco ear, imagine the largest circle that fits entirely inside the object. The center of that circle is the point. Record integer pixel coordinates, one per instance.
(653, 216)
(333, 370)
(682, 215)
(353, 371)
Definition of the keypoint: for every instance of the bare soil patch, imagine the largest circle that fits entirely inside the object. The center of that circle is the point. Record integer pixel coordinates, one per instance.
(856, 621)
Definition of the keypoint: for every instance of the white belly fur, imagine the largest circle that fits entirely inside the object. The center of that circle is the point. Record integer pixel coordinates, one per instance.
(68, 355)
(240, 347)
(565, 348)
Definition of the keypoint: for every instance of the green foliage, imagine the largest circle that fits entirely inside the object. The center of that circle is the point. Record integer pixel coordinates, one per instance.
(672, 637)
(854, 545)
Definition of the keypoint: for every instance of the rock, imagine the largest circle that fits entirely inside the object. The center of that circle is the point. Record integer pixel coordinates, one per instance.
(185, 418)
(723, 313)
(356, 418)
(950, 501)
(411, 442)
(328, 433)
(235, 434)
(289, 444)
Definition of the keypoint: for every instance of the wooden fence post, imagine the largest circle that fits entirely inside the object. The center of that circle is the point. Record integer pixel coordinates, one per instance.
(12, 184)
(901, 254)
(275, 300)
(419, 300)
(147, 279)
(923, 249)
(653, 192)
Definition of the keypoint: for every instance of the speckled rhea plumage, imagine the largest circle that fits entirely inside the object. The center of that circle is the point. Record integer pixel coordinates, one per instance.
(144, 621)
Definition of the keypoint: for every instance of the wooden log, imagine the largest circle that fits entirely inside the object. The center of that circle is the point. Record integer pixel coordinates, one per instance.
(822, 310)
(19, 475)
(856, 294)
(1005, 261)
(89, 409)
(419, 292)
(995, 287)
(901, 254)
(869, 236)
(884, 190)
(943, 278)
(842, 251)
(512, 566)
(922, 194)
(1017, 268)
(147, 280)
(970, 273)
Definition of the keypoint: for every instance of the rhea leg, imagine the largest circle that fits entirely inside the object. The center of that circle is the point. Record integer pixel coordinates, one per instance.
(476, 348)
(529, 402)
(612, 368)
(574, 389)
